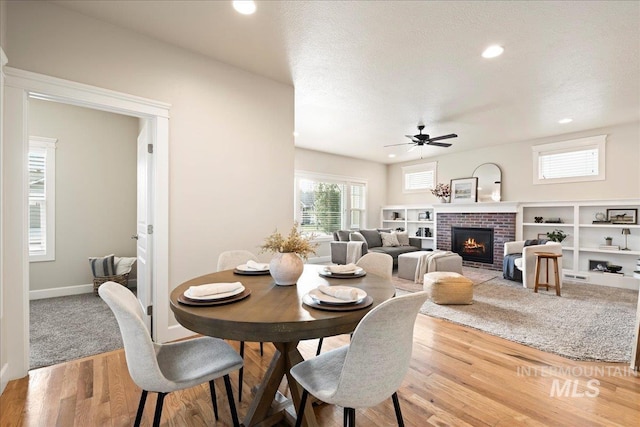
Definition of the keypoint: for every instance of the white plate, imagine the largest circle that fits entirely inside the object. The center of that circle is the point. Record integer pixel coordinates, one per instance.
(348, 273)
(320, 296)
(215, 296)
(243, 267)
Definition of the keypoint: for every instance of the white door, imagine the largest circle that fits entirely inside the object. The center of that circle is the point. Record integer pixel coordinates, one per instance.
(144, 230)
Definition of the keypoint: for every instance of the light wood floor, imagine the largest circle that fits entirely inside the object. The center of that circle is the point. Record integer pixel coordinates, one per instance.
(458, 377)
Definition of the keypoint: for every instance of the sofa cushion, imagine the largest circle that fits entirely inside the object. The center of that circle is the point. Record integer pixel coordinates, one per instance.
(356, 237)
(395, 251)
(343, 235)
(389, 239)
(372, 237)
(403, 238)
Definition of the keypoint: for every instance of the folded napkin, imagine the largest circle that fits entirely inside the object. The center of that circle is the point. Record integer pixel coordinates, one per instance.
(211, 289)
(348, 268)
(342, 292)
(252, 265)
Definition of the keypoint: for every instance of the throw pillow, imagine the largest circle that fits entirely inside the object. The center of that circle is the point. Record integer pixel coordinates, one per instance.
(103, 266)
(389, 239)
(403, 238)
(124, 265)
(356, 237)
(372, 237)
(343, 235)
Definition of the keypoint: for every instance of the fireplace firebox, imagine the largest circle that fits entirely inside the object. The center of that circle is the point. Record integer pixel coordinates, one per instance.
(473, 244)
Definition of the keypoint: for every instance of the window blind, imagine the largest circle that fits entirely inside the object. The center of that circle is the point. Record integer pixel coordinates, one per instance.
(568, 164)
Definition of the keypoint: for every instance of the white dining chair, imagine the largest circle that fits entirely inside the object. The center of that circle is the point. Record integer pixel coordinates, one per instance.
(369, 369)
(226, 261)
(377, 263)
(374, 263)
(163, 368)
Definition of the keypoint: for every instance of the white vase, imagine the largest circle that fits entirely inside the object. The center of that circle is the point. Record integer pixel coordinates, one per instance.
(442, 199)
(286, 268)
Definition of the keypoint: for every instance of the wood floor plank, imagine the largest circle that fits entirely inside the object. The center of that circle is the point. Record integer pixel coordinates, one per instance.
(458, 376)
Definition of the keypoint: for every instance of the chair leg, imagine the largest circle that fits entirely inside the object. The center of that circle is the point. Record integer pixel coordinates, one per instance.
(345, 417)
(232, 404)
(319, 346)
(158, 414)
(261, 348)
(241, 373)
(352, 417)
(143, 399)
(396, 406)
(303, 402)
(213, 399)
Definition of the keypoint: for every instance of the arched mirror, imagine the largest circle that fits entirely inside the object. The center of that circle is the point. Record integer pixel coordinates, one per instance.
(489, 182)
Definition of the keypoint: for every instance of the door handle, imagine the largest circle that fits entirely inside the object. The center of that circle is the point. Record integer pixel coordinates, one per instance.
(134, 236)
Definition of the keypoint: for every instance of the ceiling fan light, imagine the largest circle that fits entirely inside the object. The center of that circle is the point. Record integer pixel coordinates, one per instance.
(493, 51)
(245, 7)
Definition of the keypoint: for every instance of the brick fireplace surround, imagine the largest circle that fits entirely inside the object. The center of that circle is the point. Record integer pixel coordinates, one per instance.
(503, 224)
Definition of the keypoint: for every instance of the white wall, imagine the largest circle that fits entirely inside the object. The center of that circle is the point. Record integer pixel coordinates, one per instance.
(374, 174)
(622, 172)
(223, 179)
(95, 189)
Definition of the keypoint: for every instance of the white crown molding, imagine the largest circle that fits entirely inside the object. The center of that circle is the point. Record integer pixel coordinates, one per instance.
(47, 87)
(498, 207)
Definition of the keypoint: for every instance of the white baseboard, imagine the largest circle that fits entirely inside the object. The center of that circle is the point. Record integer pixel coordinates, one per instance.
(3, 377)
(61, 292)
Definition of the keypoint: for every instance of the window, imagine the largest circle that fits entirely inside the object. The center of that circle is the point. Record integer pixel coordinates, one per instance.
(419, 178)
(570, 161)
(42, 198)
(325, 204)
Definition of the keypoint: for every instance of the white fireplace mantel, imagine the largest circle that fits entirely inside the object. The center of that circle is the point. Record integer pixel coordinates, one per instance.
(498, 207)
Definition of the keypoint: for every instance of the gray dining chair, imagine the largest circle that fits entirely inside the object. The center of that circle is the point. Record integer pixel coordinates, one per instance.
(377, 263)
(369, 369)
(374, 263)
(163, 368)
(226, 261)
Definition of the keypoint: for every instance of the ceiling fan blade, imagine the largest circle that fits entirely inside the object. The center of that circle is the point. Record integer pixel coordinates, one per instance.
(412, 148)
(395, 145)
(438, 138)
(439, 144)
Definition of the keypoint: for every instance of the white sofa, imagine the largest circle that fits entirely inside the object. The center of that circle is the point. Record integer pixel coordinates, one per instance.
(527, 264)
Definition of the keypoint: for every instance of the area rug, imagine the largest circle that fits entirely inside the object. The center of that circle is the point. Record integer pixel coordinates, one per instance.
(588, 322)
(68, 328)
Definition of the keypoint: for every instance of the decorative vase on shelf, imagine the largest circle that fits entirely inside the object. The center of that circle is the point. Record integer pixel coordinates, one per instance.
(286, 268)
(443, 200)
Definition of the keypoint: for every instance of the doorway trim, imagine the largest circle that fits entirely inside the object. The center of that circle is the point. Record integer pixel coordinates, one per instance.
(19, 86)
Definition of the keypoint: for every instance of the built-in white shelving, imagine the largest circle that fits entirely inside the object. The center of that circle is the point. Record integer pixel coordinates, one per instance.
(581, 248)
(412, 218)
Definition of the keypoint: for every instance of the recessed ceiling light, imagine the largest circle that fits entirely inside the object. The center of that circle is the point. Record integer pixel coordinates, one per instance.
(245, 7)
(392, 155)
(492, 51)
(295, 133)
(565, 121)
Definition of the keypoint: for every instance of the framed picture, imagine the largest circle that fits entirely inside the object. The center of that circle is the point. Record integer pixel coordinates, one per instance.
(622, 216)
(422, 216)
(595, 265)
(464, 190)
(542, 236)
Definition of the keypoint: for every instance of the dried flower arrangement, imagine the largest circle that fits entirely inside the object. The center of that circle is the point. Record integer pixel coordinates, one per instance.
(441, 190)
(295, 242)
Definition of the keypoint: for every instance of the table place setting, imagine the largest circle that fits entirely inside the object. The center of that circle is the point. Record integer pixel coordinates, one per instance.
(214, 294)
(347, 271)
(337, 298)
(252, 268)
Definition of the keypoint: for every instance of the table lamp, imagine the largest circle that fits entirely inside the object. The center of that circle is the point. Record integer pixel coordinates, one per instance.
(626, 232)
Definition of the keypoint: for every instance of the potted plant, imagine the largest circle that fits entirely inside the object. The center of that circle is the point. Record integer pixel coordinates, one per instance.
(556, 235)
(442, 192)
(286, 266)
(608, 240)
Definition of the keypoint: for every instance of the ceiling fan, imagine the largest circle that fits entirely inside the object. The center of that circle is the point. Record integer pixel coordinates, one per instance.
(422, 139)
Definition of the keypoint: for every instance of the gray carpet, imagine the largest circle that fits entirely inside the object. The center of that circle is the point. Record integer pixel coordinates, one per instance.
(68, 328)
(588, 322)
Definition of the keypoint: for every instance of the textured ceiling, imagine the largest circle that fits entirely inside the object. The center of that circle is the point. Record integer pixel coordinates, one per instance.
(365, 73)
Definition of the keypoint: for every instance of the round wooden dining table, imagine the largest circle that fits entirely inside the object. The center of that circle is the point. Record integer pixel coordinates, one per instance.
(276, 314)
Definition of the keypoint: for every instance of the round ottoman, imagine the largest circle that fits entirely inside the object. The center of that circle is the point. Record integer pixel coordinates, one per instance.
(445, 287)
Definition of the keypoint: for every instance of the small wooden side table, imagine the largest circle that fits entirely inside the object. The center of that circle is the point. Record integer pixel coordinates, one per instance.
(540, 256)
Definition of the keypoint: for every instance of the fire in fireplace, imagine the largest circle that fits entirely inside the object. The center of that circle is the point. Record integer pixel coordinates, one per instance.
(473, 244)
